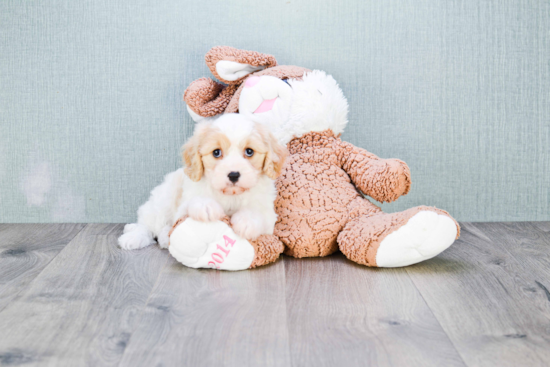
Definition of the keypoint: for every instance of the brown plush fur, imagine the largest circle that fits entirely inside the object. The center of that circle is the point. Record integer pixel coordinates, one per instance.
(319, 207)
(319, 204)
(227, 53)
(207, 98)
(362, 235)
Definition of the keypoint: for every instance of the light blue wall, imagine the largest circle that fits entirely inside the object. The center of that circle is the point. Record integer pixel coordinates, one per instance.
(92, 117)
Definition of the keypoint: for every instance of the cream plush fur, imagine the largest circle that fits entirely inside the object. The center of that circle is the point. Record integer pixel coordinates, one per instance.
(314, 103)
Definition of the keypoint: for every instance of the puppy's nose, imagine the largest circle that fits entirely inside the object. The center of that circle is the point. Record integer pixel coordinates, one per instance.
(234, 176)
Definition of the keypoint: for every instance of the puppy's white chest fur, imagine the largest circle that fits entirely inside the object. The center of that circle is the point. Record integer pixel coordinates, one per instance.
(261, 196)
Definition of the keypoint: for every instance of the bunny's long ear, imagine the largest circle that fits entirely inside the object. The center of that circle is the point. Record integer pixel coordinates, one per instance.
(231, 65)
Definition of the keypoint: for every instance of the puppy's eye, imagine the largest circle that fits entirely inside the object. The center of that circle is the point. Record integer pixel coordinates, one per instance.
(248, 152)
(217, 153)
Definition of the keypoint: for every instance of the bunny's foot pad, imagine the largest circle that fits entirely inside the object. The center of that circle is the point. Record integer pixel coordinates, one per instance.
(209, 245)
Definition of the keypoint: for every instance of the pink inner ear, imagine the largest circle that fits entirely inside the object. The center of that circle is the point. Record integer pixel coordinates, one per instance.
(252, 81)
(266, 105)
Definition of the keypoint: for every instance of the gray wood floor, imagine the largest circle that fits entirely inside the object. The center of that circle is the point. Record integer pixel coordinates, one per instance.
(70, 297)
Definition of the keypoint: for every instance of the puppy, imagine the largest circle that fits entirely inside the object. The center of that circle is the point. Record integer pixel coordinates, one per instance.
(230, 167)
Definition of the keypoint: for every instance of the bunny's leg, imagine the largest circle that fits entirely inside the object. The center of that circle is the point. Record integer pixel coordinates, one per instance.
(267, 249)
(397, 239)
(215, 245)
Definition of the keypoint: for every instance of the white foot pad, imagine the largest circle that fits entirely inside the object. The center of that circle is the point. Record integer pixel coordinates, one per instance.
(210, 245)
(424, 236)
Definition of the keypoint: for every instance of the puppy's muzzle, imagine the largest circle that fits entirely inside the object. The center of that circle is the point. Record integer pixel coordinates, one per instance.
(234, 176)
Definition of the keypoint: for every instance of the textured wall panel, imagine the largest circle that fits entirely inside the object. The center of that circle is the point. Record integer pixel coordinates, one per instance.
(92, 117)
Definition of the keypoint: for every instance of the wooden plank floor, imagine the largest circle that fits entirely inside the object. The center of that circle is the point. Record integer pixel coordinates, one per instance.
(70, 297)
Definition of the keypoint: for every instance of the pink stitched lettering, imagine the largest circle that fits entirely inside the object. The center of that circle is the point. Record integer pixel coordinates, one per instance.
(218, 259)
(226, 252)
(228, 241)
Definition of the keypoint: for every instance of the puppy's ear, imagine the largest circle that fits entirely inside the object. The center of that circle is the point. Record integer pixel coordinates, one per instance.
(276, 153)
(191, 156)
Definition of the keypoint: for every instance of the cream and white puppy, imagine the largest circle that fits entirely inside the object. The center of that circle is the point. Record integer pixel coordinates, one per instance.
(230, 167)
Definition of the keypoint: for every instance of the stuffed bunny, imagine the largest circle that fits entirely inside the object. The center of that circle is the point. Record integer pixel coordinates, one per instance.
(320, 205)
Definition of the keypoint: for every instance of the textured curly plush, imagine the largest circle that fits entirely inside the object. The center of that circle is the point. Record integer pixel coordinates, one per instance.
(317, 197)
(208, 98)
(361, 237)
(227, 53)
(320, 203)
(267, 249)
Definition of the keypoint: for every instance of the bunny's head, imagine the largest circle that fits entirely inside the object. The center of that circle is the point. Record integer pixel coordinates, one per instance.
(290, 100)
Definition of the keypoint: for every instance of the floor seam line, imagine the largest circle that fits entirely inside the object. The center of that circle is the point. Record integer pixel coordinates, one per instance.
(505, 248)
(283, 259)
(44, 268)
(142, 310)
(436, 319)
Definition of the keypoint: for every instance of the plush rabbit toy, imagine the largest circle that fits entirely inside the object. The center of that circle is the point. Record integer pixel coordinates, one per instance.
(320, 205)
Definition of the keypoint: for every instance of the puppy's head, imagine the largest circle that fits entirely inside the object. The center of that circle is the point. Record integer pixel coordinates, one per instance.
(232, 153)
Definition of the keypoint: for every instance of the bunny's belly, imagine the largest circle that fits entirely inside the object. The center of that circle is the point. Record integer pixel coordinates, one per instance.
(312, 207)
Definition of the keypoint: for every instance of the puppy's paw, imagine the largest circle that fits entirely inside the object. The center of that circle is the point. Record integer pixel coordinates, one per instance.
(205, 210)
(247, 224)
(135, 237)
(163, 239)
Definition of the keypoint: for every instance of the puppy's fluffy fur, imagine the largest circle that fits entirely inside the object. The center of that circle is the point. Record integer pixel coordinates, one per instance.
(203, 189)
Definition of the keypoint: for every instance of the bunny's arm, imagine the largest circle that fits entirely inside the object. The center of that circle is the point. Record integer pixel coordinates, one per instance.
(384, 180)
